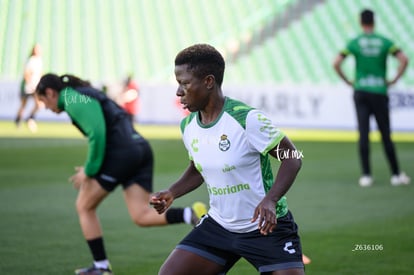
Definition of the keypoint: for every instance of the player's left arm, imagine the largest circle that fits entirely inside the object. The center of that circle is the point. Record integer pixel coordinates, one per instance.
(291, 163)
(403, 63)
(266, 138)
(89, 116)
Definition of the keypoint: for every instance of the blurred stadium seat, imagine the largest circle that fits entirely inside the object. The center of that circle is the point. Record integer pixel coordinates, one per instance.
(264, 41)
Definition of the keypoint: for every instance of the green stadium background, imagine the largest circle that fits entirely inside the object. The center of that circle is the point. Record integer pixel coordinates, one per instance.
(273, 49)
(279, 57)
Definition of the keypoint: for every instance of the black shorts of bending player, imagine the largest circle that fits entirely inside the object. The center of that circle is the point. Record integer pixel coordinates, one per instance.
(130, 164)
(276, 251)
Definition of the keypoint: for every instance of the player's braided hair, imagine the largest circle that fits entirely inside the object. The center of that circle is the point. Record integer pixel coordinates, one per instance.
(202, 60)
(58, 83)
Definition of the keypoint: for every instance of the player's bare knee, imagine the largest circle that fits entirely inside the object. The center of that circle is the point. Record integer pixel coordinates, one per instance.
(140, 221)
(79, 207)
(83, 207)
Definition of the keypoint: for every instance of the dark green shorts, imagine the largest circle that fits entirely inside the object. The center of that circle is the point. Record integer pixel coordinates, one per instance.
(279, 250)
(131, 163)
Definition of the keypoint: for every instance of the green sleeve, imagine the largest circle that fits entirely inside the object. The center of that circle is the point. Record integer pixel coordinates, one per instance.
(349, 49)
(392, 48)
(87, 114)
(345, 52)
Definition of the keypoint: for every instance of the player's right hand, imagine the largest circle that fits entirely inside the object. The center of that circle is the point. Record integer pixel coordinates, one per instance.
(161, 201)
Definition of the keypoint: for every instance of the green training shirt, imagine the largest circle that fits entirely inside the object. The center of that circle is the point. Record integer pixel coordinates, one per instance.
(87, 115)
(370, 52)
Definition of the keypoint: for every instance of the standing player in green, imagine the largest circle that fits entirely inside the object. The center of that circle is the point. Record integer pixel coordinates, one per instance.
(117, 155)
(230, 146)
(370, 92)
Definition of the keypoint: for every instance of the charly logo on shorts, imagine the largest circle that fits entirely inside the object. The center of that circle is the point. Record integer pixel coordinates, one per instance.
(289, 248)
(224, 143)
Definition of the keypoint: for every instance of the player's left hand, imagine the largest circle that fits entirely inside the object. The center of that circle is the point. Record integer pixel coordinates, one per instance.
(266, 213)
(79, 177)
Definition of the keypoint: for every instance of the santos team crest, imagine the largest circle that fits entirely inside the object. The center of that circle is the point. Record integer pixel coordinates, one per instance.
(224, 143)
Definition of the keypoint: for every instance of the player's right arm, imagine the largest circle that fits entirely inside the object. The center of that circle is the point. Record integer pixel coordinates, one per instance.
(190, 180)
(403, 63)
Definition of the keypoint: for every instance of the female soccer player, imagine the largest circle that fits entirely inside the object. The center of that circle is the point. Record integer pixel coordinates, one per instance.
(230, 144)
(117, 154)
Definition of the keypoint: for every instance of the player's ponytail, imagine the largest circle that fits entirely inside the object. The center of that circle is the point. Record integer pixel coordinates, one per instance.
(73, 81)
(58, 83)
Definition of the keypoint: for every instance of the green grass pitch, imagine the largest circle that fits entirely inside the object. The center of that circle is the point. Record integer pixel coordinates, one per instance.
(40, 234)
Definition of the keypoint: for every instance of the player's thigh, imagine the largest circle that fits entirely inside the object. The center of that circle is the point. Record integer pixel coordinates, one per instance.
(137, 199)
(362, 106)
(23, 100)
(90, 195)
(381, 112)
(182, 262)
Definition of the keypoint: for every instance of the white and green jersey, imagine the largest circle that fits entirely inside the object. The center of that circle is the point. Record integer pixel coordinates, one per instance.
(231, 155)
